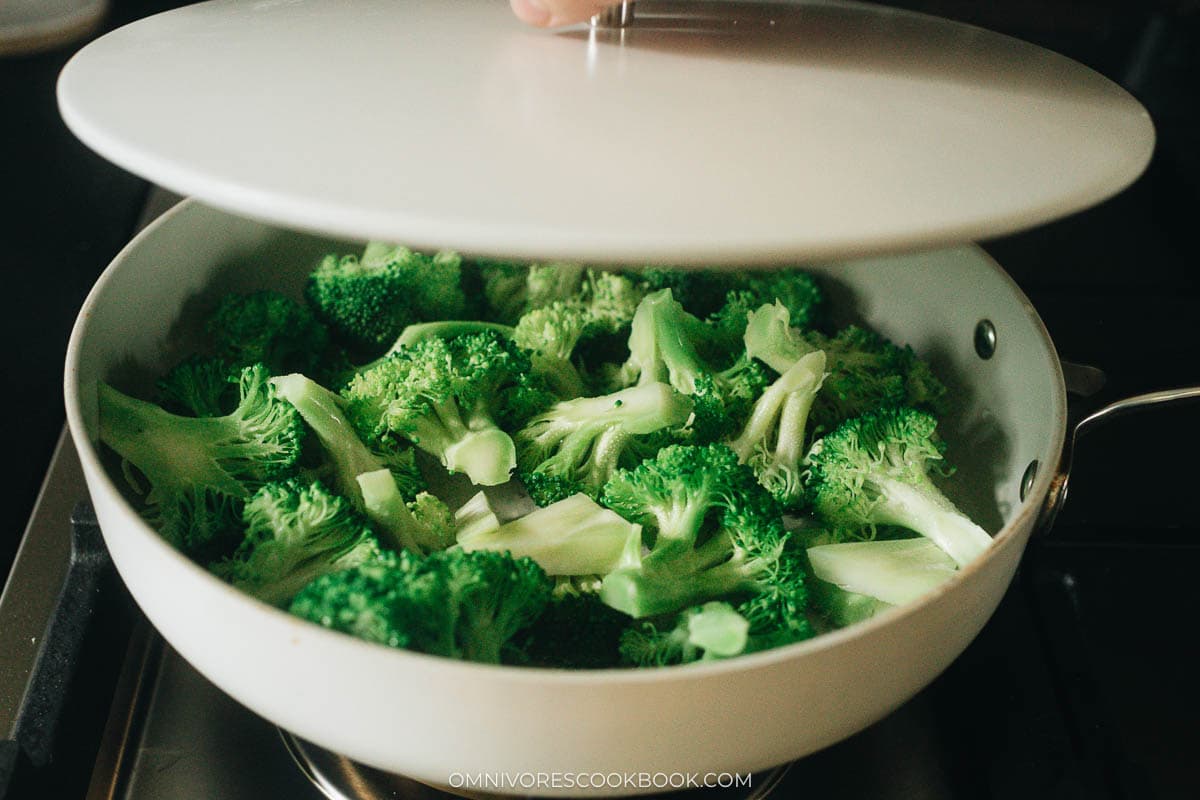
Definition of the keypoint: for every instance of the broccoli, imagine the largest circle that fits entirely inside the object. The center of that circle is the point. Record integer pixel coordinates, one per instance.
(200, 468)
(893, 571)
(295, 532)
(716, 533)
(574, 536)
(202, 386)
(475, 518)
(711, 631)
(772, 441)
(368, 301)
(377, 486)
(576, 631)
(450, 603)
(701, 291)
(796, 291)
(577, 445)
(666, 345)
(550, 334)
(874, 470)
(446, 396)
(866, 371)
(510, 289)
(270, 329)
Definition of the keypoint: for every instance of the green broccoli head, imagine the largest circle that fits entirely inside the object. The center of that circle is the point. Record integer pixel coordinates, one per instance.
(295, 532)
(701, 291)
(576, 631)
(199, 468)
(368, 301)
(795, 290)
(446, 397)
(702, 633)
(450, 603)
(270, 329)
(512, 289)
(716, 533)
(550, 334)
(874, 470)
(202, 386)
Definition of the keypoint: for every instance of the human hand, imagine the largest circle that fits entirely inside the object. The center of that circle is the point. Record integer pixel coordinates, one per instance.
(549, 13)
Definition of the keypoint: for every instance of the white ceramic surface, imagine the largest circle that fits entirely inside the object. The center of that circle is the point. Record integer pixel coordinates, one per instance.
(754, 133)
(429, 717)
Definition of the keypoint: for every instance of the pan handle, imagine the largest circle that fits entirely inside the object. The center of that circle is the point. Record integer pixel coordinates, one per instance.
(1086, 381)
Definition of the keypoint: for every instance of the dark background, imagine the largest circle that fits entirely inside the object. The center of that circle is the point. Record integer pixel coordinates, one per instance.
(1084, 684)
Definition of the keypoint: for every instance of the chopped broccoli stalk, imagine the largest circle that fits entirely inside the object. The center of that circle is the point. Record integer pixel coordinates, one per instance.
(475, 517)
(581, 443)
(574, 536)
(296, 532)
(895, 571)
(367, 302)
(200, 468)
(772, 441)
(202, 386)
(576, 631)
(270, 329)
(840, 608)
(874, 470)
(450, 603)
(711, 631)
(446, 396)
(716, 533)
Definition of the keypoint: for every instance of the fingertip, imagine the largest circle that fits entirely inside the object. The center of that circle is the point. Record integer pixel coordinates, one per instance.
(531, 12)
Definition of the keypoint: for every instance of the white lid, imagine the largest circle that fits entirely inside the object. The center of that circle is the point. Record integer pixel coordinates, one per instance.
(731, 133)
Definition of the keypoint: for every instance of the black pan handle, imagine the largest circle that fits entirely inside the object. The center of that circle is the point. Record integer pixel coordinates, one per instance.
(45, 609)
(1085, 382)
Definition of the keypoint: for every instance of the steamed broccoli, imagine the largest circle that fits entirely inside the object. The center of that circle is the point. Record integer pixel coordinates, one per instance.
(701, 291)
(866, 371)
(576, 631)
(874, 470)
(200, 468)
(368, 301)
(711, 631)
(773, 439)
(451, 603)
(550, 334)
(511, 289)
(203, 386)
(796, 291)
(446, 397)
(378, 486)
(296, 532)
(574, 536)
(577, 445)
(716, 534)
(270, 329)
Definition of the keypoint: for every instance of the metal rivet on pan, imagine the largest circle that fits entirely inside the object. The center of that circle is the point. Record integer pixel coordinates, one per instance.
(985, 339)
(1028, 478)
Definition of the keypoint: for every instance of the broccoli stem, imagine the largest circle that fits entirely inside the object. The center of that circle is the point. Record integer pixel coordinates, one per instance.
(784, 406)
(575, 536)
(488, 456)
(922, 508)
(385, 506)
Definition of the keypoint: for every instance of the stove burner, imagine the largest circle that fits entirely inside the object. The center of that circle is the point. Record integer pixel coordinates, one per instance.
(339, 778)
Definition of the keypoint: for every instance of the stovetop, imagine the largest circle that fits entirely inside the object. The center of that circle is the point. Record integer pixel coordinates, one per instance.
(1080, 686)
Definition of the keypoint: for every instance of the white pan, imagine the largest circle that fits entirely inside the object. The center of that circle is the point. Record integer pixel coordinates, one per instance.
(432, 718)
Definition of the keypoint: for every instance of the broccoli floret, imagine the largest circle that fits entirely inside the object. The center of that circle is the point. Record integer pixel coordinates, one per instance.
(550, 334)
(611, 299)
(579, 444)
(450, 603)
(296, 532)
(203, 386)
(574, 536)
(270, 329)
(510, 290)
(701, 291)
(866, 371)
(772, 442)
(716, 533)
(200, 468)
(576, 631)
(796, 291)
(446, 397)
(711, 631)
(367, 302)
(874, 470)
(378, 486)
